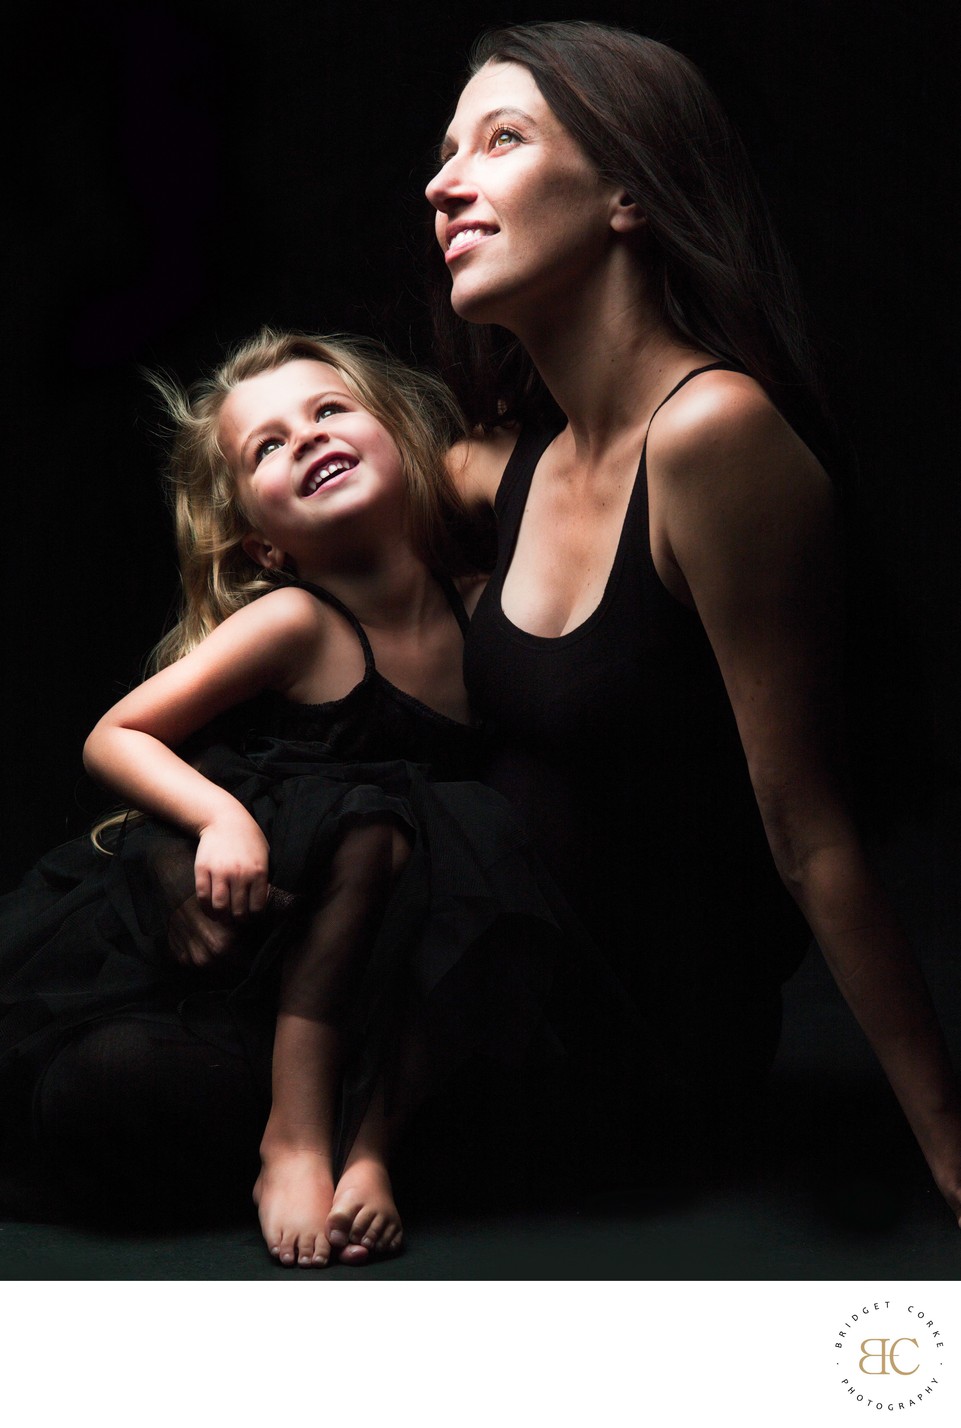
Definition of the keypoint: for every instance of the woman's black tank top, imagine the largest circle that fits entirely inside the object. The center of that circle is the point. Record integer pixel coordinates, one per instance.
(618, 743)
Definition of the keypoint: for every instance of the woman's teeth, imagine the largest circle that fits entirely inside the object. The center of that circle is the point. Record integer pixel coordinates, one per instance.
(324, 473)
(466, 235)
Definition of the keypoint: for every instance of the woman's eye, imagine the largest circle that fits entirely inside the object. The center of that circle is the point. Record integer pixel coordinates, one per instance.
(502, 138)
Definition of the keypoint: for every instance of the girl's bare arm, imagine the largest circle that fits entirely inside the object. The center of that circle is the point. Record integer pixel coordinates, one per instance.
(133, 747)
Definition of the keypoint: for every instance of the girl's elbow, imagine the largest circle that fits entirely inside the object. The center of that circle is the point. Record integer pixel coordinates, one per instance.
(94, 750)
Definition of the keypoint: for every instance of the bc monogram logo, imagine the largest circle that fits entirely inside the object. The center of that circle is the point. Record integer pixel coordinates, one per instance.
(898, 1366)
(887, 1356)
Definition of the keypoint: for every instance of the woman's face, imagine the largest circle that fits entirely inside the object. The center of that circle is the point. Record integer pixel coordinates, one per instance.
(522, 214)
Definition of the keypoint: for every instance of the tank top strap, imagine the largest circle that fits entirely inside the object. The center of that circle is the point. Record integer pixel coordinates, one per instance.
(454, 600)
(719, 366)
(443, 579)
(532, 440)
(328, 599)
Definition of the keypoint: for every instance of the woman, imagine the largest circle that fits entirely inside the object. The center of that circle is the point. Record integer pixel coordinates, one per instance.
(656, 656)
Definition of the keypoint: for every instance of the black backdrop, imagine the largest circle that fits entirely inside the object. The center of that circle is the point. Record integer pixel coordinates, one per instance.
(192, 170)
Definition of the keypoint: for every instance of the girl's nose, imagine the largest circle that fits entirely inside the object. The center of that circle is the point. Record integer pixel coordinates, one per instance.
(308, 435)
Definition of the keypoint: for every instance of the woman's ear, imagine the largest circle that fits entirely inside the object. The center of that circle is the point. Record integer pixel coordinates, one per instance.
(265, 554)
(626, 216)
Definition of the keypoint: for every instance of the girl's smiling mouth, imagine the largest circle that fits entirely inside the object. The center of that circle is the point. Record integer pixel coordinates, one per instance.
(323, 472)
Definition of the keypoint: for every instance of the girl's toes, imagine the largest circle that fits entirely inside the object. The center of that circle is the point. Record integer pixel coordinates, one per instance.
(354, 1254)
(338, 1230)
(361, 1226)
(339, 1224)
(311, 1250)
(370, 1239)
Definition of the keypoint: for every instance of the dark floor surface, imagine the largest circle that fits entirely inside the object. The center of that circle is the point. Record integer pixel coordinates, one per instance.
(841, 1192)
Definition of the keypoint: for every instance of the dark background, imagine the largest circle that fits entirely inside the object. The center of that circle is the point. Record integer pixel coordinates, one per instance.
(191, 171)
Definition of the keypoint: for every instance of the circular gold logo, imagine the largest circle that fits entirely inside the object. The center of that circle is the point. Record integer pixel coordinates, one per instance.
(890, 1354)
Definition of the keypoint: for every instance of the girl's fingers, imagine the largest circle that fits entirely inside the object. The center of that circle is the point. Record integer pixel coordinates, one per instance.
(220, 899)
(203, 886)
(258, 895)
(239, 893)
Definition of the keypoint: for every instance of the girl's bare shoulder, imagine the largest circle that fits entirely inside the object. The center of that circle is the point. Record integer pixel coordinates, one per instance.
(288, 616)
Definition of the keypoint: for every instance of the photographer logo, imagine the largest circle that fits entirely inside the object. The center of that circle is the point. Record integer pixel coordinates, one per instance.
(890, 1355)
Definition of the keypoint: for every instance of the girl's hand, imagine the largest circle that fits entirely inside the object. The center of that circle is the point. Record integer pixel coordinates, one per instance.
(231, 866)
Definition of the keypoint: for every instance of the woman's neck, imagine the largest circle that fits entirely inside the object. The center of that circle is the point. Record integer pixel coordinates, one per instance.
(605, 356)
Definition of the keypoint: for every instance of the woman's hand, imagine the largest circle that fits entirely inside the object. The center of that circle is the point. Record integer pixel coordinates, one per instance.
(231, 865)
(950, 1186)
(195, 939)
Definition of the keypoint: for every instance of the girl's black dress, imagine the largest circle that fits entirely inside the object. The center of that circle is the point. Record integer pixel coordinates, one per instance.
(467, 952)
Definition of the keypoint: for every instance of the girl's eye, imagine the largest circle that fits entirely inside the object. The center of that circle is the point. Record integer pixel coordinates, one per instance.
(329, 408)
(266, 447)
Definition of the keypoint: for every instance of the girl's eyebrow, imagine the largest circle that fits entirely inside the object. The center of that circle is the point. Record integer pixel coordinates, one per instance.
(448, 146)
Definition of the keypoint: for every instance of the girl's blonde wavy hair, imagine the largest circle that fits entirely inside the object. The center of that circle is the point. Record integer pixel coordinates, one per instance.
(217, 576)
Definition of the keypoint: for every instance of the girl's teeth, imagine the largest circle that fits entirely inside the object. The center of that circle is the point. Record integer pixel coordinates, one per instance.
(325, 473)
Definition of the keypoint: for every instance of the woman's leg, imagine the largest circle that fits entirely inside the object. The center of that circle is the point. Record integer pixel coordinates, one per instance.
(135, 1118)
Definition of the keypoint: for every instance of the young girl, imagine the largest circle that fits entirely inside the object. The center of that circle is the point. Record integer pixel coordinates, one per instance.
(308, 731)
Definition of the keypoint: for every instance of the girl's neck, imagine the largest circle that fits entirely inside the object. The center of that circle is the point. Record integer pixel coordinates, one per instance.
(396, 590)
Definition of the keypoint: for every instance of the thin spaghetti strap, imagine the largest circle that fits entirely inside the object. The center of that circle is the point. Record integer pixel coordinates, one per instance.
(450, 589)
(719, 366)
(341, 608)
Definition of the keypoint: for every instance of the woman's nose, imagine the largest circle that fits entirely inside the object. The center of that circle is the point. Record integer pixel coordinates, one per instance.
(449, 188)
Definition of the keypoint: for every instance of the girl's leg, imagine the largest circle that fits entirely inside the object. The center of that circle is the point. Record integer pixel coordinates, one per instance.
(363, 1218)
(295, 1189)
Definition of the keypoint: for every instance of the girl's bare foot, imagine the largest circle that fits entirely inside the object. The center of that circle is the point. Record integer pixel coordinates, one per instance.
(363, 1218)
(293, 1195)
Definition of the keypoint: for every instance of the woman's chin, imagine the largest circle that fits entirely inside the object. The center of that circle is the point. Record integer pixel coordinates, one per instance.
(474, 304)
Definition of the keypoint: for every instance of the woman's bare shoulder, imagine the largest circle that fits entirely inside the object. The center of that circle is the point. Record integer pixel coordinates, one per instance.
(477, 464)
(726, 421)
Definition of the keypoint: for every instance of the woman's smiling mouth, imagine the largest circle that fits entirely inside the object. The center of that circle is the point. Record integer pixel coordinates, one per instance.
(463, 236)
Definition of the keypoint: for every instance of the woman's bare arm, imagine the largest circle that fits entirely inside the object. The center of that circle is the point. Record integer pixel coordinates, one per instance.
(476, 466)
(744, 527)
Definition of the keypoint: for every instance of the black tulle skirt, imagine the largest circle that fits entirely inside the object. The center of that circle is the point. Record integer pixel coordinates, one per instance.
(474, 949)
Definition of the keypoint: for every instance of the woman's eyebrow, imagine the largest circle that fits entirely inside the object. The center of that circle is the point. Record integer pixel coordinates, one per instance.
(495, 116)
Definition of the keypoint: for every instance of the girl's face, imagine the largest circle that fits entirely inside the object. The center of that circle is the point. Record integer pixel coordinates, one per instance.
(521, 212)
(307, 458)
